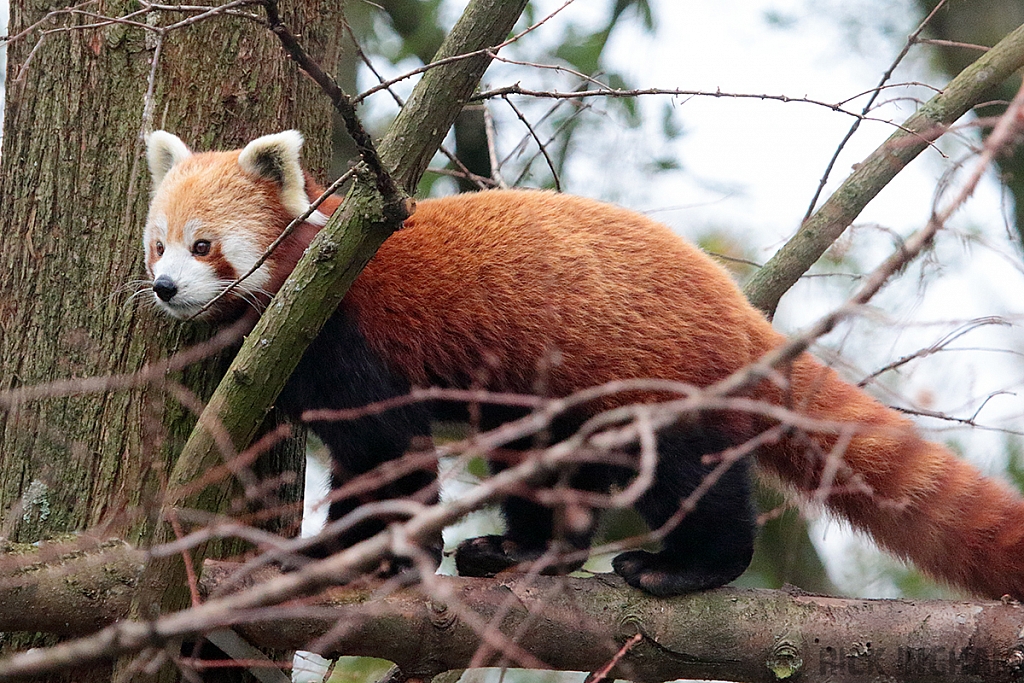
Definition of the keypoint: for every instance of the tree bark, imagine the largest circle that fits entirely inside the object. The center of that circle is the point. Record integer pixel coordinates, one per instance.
(74, 187)
(729, 634)
(568, 624)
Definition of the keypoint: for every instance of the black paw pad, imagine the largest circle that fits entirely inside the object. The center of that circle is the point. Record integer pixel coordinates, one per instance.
(489, 555)
(486, 556)
(639, 569)
(662, 575)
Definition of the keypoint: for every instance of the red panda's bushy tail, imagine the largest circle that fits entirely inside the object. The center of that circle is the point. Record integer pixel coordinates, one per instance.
(914, 497)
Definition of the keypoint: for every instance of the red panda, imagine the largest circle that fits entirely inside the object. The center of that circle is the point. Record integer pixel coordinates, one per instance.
(483, 288)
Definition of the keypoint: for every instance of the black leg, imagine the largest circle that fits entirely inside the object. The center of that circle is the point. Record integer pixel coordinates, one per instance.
(713, 543)
(340, 371)
(359, 448)
(530, 527)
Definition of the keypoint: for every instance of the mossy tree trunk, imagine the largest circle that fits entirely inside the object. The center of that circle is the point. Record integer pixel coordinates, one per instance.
(74, 190)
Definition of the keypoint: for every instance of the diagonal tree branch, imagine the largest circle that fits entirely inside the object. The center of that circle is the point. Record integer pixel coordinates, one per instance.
(969, 88)
(346, 244)
(342, 104)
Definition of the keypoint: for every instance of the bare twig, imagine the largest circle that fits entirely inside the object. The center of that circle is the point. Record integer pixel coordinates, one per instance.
(602, 673)
(540, 143)
(768, 285)
(911, 40)
(936, 347)
(489, 52)
(394, 199)
(618, 93)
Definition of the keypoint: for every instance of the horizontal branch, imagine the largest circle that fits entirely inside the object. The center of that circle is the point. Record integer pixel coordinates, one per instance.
(726, 634)
(69, 591)
(580, 624)
(603, 91)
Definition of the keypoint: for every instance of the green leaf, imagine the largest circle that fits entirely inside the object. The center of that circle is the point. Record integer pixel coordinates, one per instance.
(583, 52)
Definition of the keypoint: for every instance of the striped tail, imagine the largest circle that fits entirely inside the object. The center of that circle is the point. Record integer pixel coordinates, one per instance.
(914, 497)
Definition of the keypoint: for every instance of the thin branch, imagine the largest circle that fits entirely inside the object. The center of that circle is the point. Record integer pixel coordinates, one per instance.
(911, 40)
(394, 199)
(936, 347)
(540, 143)
(462, 171)
(492, 149)
(489, 53)
(618, 93)
(969, 87)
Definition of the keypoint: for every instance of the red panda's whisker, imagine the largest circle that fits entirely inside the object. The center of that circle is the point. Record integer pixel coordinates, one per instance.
(248, 296)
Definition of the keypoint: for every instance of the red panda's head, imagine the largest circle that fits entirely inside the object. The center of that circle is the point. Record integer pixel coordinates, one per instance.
(213, 215)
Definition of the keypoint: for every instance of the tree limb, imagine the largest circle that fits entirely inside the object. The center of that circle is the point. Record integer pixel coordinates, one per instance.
(345, 245)
(725, 634)
(816, 234)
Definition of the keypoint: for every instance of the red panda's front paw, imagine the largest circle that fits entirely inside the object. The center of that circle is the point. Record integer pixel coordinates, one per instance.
(487, 556)
(490, 555)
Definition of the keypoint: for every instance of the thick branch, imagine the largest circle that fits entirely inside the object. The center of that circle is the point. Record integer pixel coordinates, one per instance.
(575, 624)
(344, 246)
(726, 634)
(815, 236)
(428, 114)
(70, 593)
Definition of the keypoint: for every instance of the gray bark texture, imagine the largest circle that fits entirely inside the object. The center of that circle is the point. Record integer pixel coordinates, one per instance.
(74, 190)
(568, 624)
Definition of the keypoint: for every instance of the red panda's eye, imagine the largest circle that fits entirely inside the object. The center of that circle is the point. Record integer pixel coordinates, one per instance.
(159, 248)
(201, 247)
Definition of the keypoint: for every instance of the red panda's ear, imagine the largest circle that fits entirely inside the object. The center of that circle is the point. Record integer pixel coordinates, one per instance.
(163, 151)
(276, 158)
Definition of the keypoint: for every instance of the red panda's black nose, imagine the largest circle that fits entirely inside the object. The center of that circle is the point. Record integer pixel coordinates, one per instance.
(165, 288)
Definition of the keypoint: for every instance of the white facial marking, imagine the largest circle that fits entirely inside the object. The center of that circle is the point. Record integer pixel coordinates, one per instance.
(197, 282)
(155, 230)
(195, 278)
(191, 230)
(242, 252)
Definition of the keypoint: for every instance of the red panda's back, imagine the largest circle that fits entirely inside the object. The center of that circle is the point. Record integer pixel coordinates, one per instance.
(506, 282)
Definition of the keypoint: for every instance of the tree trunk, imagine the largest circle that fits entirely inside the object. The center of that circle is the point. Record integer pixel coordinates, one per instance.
(74, 190)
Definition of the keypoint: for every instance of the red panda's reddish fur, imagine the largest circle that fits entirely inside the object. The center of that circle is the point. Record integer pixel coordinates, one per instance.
(442, 285)
(494, 282)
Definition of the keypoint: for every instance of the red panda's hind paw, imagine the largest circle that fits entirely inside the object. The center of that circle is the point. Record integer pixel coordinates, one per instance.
(663, 575)
(487, 556)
